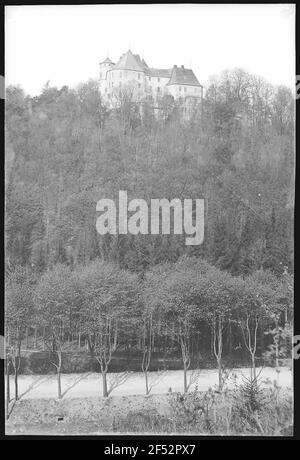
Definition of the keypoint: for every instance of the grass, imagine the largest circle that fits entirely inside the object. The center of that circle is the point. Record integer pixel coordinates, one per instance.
(248, 409)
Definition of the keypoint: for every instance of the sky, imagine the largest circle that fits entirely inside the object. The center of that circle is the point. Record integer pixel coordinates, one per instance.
(64, 44)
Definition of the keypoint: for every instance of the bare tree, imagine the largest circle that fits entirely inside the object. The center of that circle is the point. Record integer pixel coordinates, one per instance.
(8, 361)
(180, 332)
(184, 340)
(15, 352)
(249, 329)
(55, 299)
(105, 345)
(54, 340)
(217, 332)
(108, 296)
(147, 346)
(19, 312)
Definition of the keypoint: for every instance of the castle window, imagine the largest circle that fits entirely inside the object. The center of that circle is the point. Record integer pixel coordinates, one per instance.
(100, 74)
(139, 75)
(149, 78)
(158, 89)
(179, 88)
(158, 79)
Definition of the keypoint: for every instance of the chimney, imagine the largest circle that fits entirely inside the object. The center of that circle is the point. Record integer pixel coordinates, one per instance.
(182, 66)
(175, 66)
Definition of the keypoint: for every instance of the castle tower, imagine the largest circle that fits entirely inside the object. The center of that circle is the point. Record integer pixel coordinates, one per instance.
(105, 66)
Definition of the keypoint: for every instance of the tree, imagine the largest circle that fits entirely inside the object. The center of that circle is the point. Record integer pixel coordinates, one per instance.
(69, 150)
(279, 330)
(174, 293)
(19, 314)
(108, 296)
(55, 300)
(221, 293)
(283, 108)
(257, 302)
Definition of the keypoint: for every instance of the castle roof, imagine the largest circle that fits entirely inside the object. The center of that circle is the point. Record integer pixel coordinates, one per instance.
(107, 61)
(163, 73)
(182, 76)
(130, 61)
(144, 63)
(176, 75)
(141, 62)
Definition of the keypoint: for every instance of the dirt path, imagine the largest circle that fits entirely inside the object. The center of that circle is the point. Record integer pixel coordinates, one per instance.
(90, 384)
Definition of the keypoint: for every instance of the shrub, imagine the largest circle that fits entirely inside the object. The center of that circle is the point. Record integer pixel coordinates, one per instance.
(247, 409)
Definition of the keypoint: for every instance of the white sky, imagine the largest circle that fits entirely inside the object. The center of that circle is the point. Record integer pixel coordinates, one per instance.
(64, 44)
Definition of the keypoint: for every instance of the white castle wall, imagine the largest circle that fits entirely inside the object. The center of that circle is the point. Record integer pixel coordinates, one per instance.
(112, 81)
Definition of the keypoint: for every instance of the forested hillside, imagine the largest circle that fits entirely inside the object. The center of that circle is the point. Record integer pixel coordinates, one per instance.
(151, 293)
(70, 151)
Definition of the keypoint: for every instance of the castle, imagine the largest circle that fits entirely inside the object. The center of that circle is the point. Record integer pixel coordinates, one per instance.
(132, 73)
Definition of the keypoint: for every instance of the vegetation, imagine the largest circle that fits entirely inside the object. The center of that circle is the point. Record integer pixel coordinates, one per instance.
(67, 284)
(70, 151)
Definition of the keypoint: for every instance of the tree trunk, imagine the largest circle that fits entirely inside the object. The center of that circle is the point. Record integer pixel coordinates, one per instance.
(58, 383)
(220, 374)
(218, 348)
(17, 363)
(91, 352)
(185, 385)
(262, 341)
(277, 362)
(7, 389)
(212, 345)
(26, 339)
(253, 367)
(59, 375)
(230, 340)
(146, 382)
(16, 380)
(35, 337)
(104, 383)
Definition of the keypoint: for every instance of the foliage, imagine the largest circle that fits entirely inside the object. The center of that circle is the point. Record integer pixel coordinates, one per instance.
(248, 409)
(70, 151)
